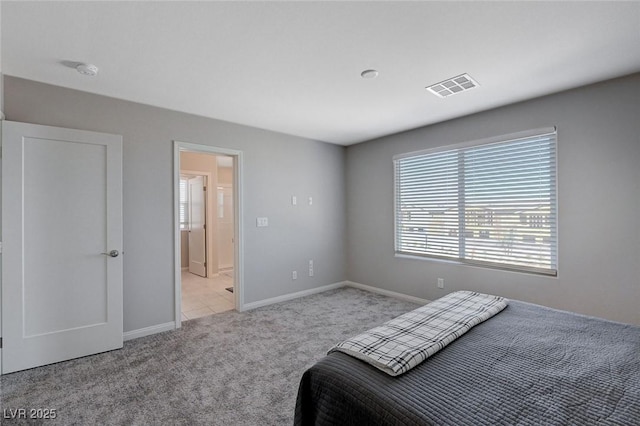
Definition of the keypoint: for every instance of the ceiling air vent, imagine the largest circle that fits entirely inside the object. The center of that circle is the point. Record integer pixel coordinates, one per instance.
(453, 85)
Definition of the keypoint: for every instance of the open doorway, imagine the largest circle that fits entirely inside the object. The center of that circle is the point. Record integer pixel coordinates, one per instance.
(208, 267)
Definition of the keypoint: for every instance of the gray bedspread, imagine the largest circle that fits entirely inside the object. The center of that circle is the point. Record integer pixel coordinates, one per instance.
(528, 365)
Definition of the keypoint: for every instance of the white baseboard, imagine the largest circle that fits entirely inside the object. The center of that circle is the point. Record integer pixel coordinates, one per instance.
(147, 331)
(291, 296)
(389, 293)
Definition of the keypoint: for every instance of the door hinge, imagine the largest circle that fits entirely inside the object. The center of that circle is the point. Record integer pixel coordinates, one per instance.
(0, 342)
(204, 188)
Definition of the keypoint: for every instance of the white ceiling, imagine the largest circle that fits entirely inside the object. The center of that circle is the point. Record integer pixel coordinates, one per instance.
(294, 67)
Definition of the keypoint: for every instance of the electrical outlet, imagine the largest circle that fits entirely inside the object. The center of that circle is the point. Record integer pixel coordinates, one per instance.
(294, 275)
(311, 268)
(262, 222)
(440, 282)
(294, 200)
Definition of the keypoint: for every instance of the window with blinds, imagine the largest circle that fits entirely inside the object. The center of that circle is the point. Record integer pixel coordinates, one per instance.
(489, 203)
(184, 202)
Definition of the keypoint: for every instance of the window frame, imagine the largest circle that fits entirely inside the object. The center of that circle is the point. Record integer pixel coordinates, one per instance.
(460, 260)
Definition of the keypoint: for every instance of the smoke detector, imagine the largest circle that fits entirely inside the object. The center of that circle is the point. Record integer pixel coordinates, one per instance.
(453, 85)
(87, 69)
(369, 74)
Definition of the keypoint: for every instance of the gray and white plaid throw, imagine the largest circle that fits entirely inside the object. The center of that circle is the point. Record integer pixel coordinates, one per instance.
(398, 345)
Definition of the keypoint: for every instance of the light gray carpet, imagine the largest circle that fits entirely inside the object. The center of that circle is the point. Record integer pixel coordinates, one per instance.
(226, 369)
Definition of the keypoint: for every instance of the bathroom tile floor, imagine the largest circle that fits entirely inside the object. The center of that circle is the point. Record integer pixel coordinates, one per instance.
(206, 296)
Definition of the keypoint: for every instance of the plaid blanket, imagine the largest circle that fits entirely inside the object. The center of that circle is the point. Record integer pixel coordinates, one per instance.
(398, 345)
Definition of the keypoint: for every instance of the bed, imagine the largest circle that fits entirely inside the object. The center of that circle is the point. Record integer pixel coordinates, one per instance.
(527, 365)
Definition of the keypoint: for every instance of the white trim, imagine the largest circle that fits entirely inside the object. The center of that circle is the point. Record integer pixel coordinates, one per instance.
(389, 293)
(238, 273)
(168, 326)
(177, 239)
(147, 331)
(291, 296)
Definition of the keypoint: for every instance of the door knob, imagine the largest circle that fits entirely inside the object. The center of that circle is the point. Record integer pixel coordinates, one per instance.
(112, 253)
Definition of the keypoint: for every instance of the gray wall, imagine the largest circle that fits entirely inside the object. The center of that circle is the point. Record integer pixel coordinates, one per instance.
(276, 166)
(599, 199)
(599, 204)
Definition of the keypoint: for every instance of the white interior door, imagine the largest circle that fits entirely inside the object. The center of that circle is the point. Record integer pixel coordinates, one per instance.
(61, 212)
(225, 227)
(197, 231)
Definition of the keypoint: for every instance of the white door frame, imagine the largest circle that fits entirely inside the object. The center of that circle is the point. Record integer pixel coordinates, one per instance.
(238, 276)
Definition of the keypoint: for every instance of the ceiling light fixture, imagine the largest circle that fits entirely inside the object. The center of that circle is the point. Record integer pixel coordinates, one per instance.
(87, 69)
(453, 85)
(369, 74)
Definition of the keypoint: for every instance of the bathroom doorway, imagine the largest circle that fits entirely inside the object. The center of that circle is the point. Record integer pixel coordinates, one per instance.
(207, 276)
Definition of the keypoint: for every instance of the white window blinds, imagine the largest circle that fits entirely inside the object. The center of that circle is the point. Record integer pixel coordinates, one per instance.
(184, 202)
(491, 204)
